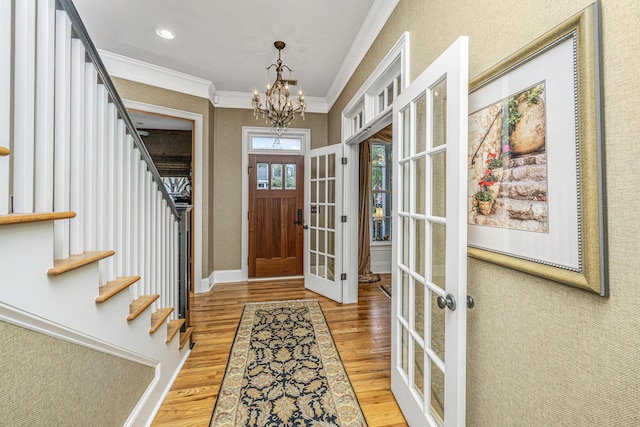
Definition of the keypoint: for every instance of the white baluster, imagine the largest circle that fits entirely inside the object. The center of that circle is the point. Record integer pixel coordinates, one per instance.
(77, 141)
(90, 197)
(118, 207)
(147, 231)
(45, 96)
(135, 217)
(5, 101)
(62, 132)
(110, 190)
(24, 105)
(164, 262)
(100, 145)
(127, 218)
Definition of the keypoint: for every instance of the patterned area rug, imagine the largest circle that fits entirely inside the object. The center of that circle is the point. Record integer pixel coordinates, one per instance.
(386, 289)
(284, 370)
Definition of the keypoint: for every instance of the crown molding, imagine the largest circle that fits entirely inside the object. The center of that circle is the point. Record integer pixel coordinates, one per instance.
(229, 99)
(154, 75)
(371, 27)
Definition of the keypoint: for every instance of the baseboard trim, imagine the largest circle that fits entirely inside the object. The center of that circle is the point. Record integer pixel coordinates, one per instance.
(227, 276)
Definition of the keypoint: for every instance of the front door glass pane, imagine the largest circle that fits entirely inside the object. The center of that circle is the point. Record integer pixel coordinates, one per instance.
(263, 176)
(290, 176)
(276, 176)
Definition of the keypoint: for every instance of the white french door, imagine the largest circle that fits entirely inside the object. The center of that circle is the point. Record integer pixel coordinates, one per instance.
(430, 244)
(323, 229)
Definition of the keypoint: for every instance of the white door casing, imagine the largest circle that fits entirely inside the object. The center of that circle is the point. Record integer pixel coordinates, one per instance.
(323, 245)
(429, 245)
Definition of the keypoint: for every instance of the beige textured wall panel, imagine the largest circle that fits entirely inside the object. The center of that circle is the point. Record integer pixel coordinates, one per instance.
(167, 98)
(52, 382)
(541, 353)
(227, 170)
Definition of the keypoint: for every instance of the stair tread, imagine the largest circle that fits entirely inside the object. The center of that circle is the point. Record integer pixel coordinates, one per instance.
(112, 288)
(174, 328)
(34, 217)
(75, 261)
(4, 151)
(159, 317)
(184, 336)
(140, 305)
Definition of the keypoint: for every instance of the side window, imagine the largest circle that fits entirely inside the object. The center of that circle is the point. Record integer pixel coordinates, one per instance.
(381, 186)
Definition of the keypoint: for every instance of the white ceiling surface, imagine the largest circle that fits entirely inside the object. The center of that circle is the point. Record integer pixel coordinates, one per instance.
(230, 43)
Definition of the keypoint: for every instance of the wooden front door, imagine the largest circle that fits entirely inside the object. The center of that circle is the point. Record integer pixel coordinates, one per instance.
(276, 194)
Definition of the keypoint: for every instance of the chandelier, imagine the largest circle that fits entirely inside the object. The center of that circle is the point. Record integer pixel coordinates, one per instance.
(279, 109)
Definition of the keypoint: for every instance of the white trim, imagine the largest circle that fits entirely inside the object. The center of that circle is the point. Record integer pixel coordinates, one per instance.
(198, 135)
(227, 276)
(399, 52)
(381, 257)
(229, 99)
(35, 323)
(145, 397)
(371, 27)
(247, 132)
(154, 75)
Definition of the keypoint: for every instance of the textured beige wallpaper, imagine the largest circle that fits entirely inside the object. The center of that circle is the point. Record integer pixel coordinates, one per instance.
(166, 98)
(541, 353)
(227, 191)
(52, 382)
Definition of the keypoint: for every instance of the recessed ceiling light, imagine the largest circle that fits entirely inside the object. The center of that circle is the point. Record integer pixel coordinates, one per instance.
(164, 33)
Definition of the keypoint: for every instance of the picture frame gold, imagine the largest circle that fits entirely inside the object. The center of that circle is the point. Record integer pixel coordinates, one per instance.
(585, 266)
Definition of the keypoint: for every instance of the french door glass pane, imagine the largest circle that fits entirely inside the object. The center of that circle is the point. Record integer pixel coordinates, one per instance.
(439, 128)
(437, 393)
(437, 326)
(405, 296)
(418, 368)
(420, 185)
(419, 308)
(438, 187)
(421, 124)
(419, 247)
(405, 351)
(438, 254)
(332, 166)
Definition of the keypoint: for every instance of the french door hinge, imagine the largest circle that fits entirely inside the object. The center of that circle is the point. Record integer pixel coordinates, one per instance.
(344, 160)
(343, 218)
(343, 276)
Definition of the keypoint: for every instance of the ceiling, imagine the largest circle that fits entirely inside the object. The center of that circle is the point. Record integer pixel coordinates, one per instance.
(230, 43)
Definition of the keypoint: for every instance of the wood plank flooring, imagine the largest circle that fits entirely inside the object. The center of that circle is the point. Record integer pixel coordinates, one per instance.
(362, 333)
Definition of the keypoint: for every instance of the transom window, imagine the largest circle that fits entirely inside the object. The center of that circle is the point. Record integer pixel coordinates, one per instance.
(381, 187)
(275, 143)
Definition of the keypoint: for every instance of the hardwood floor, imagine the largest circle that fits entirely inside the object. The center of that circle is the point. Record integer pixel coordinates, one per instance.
(361, 332)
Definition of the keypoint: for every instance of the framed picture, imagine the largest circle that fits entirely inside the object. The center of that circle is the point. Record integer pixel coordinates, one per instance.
(535, 182)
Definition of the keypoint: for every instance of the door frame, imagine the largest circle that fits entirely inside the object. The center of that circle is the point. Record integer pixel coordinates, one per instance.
(247, 133)
(398, 55)
(200, 284)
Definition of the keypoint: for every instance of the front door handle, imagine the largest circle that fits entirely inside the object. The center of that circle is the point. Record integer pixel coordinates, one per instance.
(299, 221)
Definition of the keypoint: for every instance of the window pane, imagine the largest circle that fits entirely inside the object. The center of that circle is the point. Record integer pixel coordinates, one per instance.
(263, 175)
(274, 143)
(290, 176)
(276, 176)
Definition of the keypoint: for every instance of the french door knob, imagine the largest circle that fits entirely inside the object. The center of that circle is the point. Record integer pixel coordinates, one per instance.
(306, 227)
(449, 302)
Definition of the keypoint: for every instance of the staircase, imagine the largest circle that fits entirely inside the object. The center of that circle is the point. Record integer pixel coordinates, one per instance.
(90, 241)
